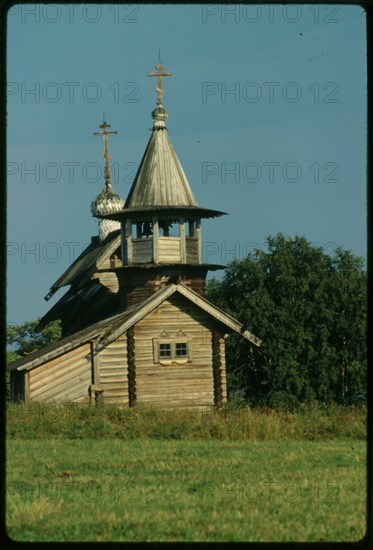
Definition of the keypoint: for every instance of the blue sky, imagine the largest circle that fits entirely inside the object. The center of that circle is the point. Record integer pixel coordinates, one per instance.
(267, 113)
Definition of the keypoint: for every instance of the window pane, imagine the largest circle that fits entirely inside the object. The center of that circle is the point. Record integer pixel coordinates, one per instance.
(181, 349)
(164, 350)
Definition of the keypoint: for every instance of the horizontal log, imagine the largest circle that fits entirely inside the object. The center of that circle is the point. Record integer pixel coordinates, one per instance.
(154, 382)
(114, 386)
(176, 404)
(111, 394)
(108, 374)
(113, 362)
(173, 390)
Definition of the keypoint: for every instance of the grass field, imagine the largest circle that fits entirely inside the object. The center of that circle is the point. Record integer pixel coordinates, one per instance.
(153, 488)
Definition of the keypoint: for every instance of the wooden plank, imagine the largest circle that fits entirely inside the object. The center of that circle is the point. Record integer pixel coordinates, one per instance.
(70, 390)
(142, 251)
(58, 369)
(192, 250)
(198, 374)
(60, 377)
(60, 360)
(68, 380)
(207, 385)
(27, 387)
(56, 372)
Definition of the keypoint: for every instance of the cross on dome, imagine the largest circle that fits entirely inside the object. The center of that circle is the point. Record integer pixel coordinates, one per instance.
(104, 126)
(108, 200)
(159, 74)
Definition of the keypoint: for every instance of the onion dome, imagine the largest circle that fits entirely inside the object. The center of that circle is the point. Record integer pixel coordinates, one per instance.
(159, 116)
(106, 202)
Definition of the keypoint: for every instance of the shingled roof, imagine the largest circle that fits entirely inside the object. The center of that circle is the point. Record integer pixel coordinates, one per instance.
(82, 269)
(160, 179)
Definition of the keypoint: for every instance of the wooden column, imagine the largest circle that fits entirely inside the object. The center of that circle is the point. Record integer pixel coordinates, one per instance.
(199, 242)
(95, 390)
(129, 244)
(123, 243)
(132, 397)
(26, 387)
(182, 241)
(155, 240)
(217, 369)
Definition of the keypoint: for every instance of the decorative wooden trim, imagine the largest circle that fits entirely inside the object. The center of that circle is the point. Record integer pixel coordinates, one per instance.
(132, 397)
(172, 340)
(217, 369)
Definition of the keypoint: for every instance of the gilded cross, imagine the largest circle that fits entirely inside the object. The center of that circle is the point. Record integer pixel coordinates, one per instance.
(104, 126)
(159, 74)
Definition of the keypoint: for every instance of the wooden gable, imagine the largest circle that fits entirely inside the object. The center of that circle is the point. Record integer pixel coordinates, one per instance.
(196, 380)
(167, 351)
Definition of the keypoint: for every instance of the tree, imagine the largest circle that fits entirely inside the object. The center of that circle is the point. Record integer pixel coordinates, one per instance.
(309, 309)
(29, 337)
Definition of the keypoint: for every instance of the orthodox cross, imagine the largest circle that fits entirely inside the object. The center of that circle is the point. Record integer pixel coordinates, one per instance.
(105, 154)
(159, 74)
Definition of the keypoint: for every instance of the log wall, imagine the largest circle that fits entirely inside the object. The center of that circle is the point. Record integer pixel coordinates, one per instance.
(175, 385)
(138, 284)
(112, 371)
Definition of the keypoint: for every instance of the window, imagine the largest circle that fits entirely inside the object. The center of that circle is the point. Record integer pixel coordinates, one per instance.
(181, 349)
(172, 349)
(164, 350)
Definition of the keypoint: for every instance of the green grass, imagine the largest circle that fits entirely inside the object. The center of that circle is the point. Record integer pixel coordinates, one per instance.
(316, 422)
(110, 474)
(157, 490)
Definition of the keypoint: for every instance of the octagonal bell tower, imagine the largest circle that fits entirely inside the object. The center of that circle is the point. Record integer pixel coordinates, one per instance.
(161, 221)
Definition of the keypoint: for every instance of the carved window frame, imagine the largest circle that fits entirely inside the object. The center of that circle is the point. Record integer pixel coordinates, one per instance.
(172, 341)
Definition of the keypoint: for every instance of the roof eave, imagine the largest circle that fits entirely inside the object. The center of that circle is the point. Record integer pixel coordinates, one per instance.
(149, 211)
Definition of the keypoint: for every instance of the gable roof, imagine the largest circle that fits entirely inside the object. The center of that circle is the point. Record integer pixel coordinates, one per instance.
(108, 330)
(87, 263)
(91, 301)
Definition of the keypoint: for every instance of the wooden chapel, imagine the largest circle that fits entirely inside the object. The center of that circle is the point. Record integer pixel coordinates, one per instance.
(137, 329)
